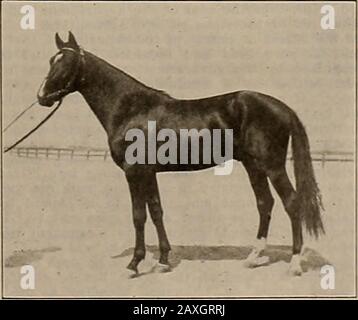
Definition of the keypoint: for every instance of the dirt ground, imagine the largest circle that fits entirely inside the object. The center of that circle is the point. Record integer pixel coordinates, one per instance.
(71, 220)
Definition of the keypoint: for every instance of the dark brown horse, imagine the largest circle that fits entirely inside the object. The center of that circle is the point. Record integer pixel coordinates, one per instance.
(261, 128)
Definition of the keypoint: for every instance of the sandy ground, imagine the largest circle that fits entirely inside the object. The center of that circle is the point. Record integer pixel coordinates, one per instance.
(71, 220)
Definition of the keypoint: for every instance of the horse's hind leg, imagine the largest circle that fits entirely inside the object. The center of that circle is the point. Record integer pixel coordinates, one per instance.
(284, 188)
(265, 202)
(156, 213)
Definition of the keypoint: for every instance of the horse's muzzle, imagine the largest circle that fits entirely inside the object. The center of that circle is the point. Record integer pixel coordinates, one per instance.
(44, 101)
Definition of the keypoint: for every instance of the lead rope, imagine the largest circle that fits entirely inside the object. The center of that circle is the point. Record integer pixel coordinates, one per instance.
(34, 129)
(19, 116)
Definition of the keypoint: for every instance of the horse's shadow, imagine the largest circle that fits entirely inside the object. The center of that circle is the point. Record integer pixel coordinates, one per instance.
(312, 260)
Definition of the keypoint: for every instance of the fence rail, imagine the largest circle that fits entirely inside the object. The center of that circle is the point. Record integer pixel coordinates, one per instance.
(60, 153)
(104, 154)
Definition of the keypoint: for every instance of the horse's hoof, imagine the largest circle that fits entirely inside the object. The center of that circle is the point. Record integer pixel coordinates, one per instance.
(295, 267)
(295, 272)
(130, 274)
(133, 270)
(161, 268)
(253, 262)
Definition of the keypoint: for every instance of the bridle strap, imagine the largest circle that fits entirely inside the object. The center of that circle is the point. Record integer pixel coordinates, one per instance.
(67, 88)
(71, 49)
(79, 64)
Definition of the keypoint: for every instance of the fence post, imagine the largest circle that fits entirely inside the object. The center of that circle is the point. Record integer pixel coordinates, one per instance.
(323, 159)
(88, 154)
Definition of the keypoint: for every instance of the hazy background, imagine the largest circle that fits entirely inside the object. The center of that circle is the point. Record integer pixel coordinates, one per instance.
(190, 50)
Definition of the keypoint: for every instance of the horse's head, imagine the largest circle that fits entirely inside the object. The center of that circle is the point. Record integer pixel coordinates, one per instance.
(65, 72)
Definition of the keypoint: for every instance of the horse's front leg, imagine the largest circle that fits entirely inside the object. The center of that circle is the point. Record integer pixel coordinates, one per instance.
(137, 192)
(156, 213)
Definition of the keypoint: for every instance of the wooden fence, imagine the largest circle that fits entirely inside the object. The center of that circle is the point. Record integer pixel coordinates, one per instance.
(104, 154)
(60, 153)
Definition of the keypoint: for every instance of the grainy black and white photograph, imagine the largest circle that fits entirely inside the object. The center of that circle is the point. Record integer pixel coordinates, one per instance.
(178, 149)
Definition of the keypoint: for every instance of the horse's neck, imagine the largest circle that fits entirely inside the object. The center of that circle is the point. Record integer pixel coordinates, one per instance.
(103, 86)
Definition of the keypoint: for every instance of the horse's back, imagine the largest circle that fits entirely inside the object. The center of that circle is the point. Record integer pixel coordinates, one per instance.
(260, 123)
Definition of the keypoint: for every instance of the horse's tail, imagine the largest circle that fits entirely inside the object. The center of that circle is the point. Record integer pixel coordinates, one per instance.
(309, 197)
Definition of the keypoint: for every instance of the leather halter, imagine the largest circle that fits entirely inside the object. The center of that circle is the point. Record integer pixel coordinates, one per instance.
(59, 94)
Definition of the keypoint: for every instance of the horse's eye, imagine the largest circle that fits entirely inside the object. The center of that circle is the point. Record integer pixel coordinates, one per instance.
(51, 60)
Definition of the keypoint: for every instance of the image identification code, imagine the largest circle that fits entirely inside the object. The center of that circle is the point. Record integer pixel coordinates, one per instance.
(186, 309)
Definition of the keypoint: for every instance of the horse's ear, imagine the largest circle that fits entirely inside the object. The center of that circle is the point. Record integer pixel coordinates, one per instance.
(59, 43)
(72, 41)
